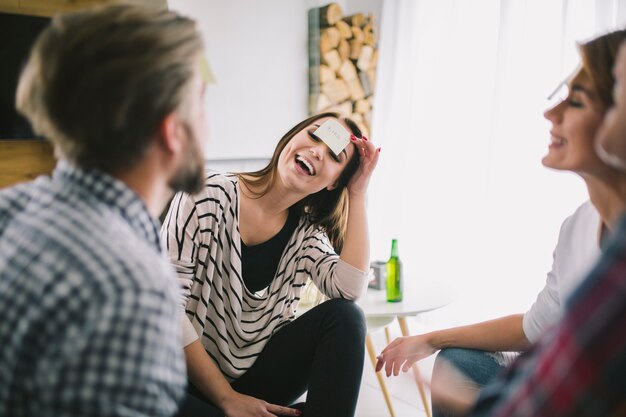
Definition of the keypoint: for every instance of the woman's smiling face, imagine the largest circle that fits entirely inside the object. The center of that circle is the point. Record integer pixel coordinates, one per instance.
(575, 122)
(307, 163)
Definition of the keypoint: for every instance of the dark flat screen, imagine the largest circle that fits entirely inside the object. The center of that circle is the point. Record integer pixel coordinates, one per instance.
(17, 34)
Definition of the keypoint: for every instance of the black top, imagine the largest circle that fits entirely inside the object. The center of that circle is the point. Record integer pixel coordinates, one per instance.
(260, 262)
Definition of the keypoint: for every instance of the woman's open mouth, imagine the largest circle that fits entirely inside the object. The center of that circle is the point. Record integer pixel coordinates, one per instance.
(305, 165)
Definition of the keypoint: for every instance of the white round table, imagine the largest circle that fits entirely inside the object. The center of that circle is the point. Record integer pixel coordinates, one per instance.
(425, 297)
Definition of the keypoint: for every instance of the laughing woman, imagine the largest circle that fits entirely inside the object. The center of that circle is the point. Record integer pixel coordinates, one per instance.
(475, 350)
(243, 249)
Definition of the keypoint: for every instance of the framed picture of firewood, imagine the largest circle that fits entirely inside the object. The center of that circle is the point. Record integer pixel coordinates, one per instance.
(343, 52)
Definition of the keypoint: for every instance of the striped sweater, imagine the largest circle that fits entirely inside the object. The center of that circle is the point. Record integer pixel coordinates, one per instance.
(202, 237)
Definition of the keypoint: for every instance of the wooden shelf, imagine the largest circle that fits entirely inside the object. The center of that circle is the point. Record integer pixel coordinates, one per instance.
(23, 160)
(51, 7)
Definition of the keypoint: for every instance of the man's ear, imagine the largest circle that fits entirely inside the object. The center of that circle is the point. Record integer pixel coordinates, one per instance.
(171, 134)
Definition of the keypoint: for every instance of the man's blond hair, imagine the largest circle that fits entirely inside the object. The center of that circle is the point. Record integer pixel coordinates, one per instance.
(98, 82)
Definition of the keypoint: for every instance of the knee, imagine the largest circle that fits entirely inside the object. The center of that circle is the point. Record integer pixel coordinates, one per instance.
(348, 316)
(457, 357)
(477, 365)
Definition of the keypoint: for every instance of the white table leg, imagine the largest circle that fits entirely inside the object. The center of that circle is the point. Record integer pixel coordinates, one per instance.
(404, 328)
(372, 353)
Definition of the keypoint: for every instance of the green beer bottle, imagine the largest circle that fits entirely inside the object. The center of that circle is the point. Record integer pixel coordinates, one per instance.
(394, 274)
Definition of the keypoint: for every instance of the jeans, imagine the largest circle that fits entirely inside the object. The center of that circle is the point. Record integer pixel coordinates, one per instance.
(478, 366)
(321, 352)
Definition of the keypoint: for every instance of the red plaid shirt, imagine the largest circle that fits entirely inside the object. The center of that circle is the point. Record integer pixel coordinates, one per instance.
(578, 368)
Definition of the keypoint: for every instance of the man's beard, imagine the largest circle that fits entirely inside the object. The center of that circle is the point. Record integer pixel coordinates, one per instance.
(189, 177)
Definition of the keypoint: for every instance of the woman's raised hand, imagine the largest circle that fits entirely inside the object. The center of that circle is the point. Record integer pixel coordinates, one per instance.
(369, 158)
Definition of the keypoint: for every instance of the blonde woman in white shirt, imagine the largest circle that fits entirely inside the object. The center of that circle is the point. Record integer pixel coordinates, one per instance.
(475, 350)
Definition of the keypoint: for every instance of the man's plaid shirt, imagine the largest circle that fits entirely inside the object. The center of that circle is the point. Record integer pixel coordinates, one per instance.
(88, 323)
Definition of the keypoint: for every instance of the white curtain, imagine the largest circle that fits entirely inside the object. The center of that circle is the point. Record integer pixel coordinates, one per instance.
(462, 86)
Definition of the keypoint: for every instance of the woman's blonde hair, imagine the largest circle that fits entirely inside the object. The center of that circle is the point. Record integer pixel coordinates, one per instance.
(328, 209)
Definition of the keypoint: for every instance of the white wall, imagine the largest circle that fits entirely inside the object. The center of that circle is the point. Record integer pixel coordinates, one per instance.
(258, 53)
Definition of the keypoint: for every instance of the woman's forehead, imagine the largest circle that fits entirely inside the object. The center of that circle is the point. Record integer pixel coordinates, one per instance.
(351, 147)
(582, 82)
(321, 121)
(581, 77)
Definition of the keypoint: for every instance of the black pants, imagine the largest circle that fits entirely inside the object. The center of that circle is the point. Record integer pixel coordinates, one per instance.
(322, 352)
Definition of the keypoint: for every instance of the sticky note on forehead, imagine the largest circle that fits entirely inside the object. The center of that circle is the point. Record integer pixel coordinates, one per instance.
(334, 135)
(205, 71)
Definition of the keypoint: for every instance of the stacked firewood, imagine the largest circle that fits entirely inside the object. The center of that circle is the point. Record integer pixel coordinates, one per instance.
(342, 63)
